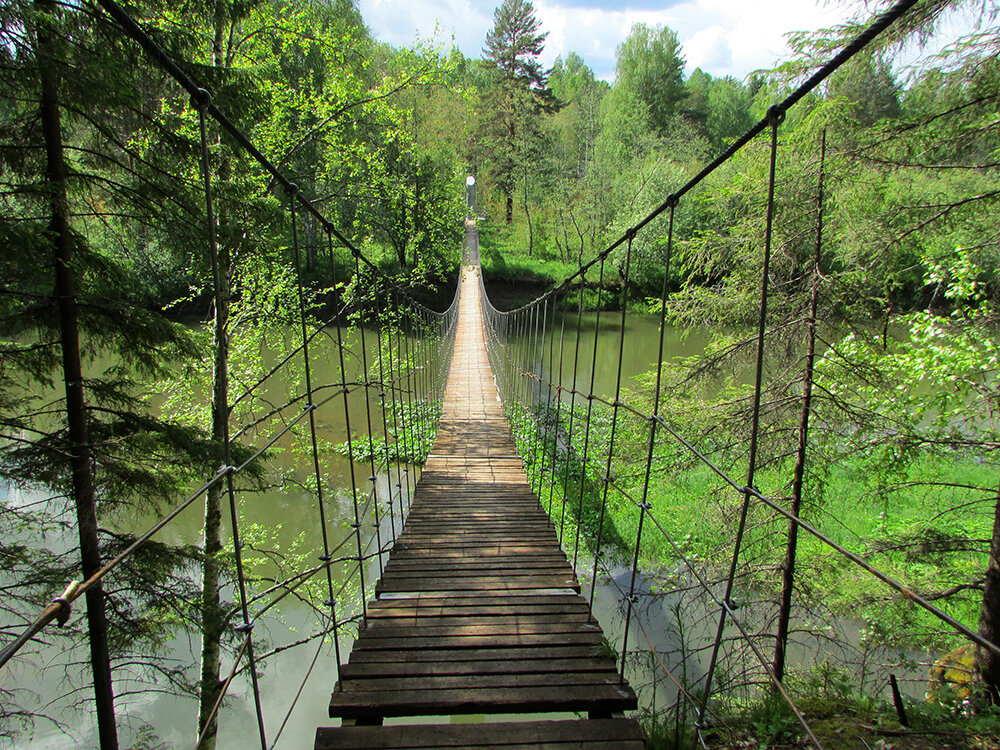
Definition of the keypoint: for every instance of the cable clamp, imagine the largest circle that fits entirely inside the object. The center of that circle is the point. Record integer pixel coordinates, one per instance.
(310, 406)
(224, 469)
(330, 603)
(202, 97)
(775, 115)
(64, 611)
(246, 627)
(356, 525)
(646, 506)
(672, 200)
(371, 478)
(326, 558)
(291, 188)
(65, 608)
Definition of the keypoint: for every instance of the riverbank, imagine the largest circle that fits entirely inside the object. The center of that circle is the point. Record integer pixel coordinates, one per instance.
(924, 519)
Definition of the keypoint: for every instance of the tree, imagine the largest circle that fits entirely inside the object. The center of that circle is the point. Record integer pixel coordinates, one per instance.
(728, 111)
(649, 64)
(69, 294)
(868, 84)
(519, 91)
(574, 202)
(578, 122)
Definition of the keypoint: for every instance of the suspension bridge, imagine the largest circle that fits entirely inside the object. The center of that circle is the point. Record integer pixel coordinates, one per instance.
(477, 608)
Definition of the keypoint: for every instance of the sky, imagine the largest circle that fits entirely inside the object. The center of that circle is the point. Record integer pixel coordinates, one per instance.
(723, 37)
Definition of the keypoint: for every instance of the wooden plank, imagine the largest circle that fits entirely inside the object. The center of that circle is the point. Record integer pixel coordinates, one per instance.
(540, 583)
(402, 572)
(479, 641)
(484, 563)
(521, 534)
(359, 670)
(470, 562)
(397, 596)
(554, 744)
(443, 581)
(431, 538)
(570, 681)
(416, 624)
(361, 705)
(475, 599)
(492, 627)
(579, 732)
(404, 552)
(497, 555)
(418, 614)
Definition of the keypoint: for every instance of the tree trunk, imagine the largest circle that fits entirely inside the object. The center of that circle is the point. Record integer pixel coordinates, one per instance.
(988, 663)
(212, 616)
(418, 220)
(76, 409)
(527, 216)
(788, 568)
(401, 245)
(213, 621)
(508, 190)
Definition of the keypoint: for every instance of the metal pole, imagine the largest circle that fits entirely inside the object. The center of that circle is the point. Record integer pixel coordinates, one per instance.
(776, 117)
(614, 418)
(644, 505)
(590, 412)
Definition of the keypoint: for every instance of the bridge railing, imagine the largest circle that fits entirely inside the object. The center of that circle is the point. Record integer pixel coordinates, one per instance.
(570, 434)
(392, 352)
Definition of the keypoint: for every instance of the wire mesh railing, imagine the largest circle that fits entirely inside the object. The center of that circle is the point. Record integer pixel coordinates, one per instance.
(570, 433)
(392, 356)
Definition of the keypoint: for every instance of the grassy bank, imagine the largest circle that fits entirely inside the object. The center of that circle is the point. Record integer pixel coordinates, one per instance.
(925, 524)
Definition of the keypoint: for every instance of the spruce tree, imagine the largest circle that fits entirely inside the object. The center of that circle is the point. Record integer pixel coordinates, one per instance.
(76, 195)
(519, 90)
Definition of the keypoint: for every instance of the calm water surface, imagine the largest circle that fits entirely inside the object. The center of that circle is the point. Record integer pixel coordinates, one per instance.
(289, 515)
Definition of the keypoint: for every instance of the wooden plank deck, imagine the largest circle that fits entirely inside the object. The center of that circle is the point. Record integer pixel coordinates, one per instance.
(478, 610)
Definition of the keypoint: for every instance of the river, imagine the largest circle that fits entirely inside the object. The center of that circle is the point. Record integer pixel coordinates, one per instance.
(288, 512)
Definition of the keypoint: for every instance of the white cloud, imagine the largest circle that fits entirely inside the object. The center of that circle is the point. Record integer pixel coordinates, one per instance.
(723, 37)
(401, 22)
(709, 49)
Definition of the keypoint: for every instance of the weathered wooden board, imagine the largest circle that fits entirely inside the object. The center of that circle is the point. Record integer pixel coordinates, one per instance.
(560, 735)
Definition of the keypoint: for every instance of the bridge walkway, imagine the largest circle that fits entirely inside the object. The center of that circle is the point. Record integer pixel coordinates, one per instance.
(478, 610)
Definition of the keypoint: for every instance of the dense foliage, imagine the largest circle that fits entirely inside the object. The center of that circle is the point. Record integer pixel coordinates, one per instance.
(899, 253)
(903, 438)
(103, 246)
